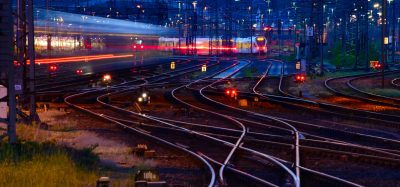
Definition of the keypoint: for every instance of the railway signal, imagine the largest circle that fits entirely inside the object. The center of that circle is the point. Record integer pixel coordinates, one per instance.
(300, 78)
(53, 68)
(136, 47)
(231, 93)
(386, 40)
(378, 66)
(267, 28)
(298, 65)
(107, 78)
(375, 64)
(79, 71)
(144, 98)
(204, 68)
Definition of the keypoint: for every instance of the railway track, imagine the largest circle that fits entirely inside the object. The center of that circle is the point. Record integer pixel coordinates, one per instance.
(365, 116)
(102, 115)
(257, 146)
(396, 82)
(365, 147)
(344, 86)
(229, 118)
(69, 81)
(314, 172)
(291, 105)
(240, 172)
(98, 110)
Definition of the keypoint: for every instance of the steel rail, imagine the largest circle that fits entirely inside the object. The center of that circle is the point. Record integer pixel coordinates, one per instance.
(320, 148)
(335, 91)
(236, 145)
(165, 123)
(323, 127)
(343, 180)
(66, 100)
(223, 142)
(332, 177)
(396, 82)
(379, 98)
(211, 170)
(162, 122)
(296, 143)
(379, 117)
(295, 178)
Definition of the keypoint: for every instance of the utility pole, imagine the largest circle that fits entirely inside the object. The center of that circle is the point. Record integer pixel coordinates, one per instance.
(280, 37)
(217, 27)
(344, 39)
(251, 27)
(357, 55)
(194, 29)
(383, 48)
(393, 44)
(31, 53)
(7, 70)
(366, 33)
(321, 36)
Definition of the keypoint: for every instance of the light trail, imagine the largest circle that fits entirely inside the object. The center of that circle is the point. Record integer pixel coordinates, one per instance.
(204, 47)
(78, 59)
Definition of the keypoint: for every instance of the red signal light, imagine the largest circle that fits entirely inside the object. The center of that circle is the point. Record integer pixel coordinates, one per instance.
(141, 47)
(52, 67)
(134, 46)
(79, 71)
(268, 28)
(300, 78)
(231, 93)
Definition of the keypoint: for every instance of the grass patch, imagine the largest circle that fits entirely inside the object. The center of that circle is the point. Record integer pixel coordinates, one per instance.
(46, 164)
(336, 74)
(389, 92)
(344, 73)
(58, 120)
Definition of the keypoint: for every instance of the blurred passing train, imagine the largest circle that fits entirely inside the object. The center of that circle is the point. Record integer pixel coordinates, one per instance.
(58, 33)
(255, 45)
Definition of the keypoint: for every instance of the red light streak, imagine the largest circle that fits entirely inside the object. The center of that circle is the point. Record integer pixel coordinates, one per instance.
(204, 47)
(77, 58)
